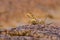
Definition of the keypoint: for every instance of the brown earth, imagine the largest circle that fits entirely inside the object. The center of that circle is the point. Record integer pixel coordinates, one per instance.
(13, 12)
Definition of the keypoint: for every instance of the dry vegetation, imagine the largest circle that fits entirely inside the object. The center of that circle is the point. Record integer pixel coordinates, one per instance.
(35, 21)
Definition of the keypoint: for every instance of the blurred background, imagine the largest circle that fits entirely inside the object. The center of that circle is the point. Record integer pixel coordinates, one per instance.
(13, 12)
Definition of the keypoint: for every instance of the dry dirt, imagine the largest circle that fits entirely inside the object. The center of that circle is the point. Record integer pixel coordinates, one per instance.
(13, 12)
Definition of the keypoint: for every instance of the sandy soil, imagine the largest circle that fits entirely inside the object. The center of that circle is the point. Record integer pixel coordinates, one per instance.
(13, 12)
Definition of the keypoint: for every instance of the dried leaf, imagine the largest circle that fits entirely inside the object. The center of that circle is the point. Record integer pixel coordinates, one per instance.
(30, 15)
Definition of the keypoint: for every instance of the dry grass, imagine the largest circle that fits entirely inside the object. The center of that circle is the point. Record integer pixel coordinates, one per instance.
(34, 20)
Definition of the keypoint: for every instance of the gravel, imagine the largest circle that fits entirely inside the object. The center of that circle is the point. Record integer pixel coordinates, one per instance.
(31, 32)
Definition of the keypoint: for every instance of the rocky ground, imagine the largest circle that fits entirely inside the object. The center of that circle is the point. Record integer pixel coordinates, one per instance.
(31, 32)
